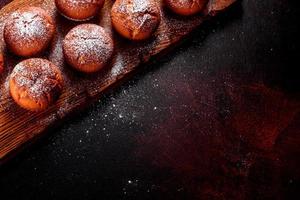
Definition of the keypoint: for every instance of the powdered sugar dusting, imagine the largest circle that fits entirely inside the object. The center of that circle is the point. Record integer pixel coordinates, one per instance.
(82, 2)
(36, 76)
(79, 10)
(118, 67)
(28, 25)
(88, 44)
(193, 5)
(28, 28)
(138, 16)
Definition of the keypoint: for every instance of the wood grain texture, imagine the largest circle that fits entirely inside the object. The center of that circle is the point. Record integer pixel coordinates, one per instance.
(18, 126)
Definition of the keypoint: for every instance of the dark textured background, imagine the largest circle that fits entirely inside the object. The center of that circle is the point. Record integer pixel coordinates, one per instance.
(218, 118)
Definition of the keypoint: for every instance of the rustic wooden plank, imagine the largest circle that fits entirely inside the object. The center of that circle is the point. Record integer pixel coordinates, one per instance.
(18, 126)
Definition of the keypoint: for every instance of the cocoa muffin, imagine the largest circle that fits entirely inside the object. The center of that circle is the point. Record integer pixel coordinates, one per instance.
(29, 31)
(79, 10)
(35, 84)
(136, 19)
(88, 47)
(186, 7)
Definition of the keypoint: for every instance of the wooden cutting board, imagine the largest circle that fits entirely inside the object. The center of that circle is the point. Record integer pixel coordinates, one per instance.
(19, 127)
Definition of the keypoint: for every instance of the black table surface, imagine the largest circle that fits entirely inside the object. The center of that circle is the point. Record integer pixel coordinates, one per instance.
(217, 118)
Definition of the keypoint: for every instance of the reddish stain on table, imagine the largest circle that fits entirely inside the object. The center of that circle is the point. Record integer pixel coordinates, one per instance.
(229, 139)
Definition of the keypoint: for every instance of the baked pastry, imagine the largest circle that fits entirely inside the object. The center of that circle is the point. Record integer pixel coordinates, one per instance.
(186, 7)
(28, 31)
(35, 84)
(88, 47)
(1, 62)
(79, 10)
(135, 19)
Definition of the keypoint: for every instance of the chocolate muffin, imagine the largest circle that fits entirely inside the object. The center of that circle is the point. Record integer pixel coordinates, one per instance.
(88, 47)
(186, 7)
(79, 10)
(28, 31)
(35, 84)
(135, 19)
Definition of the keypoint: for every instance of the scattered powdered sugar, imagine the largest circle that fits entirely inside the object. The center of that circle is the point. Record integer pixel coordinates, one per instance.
(118, 67)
